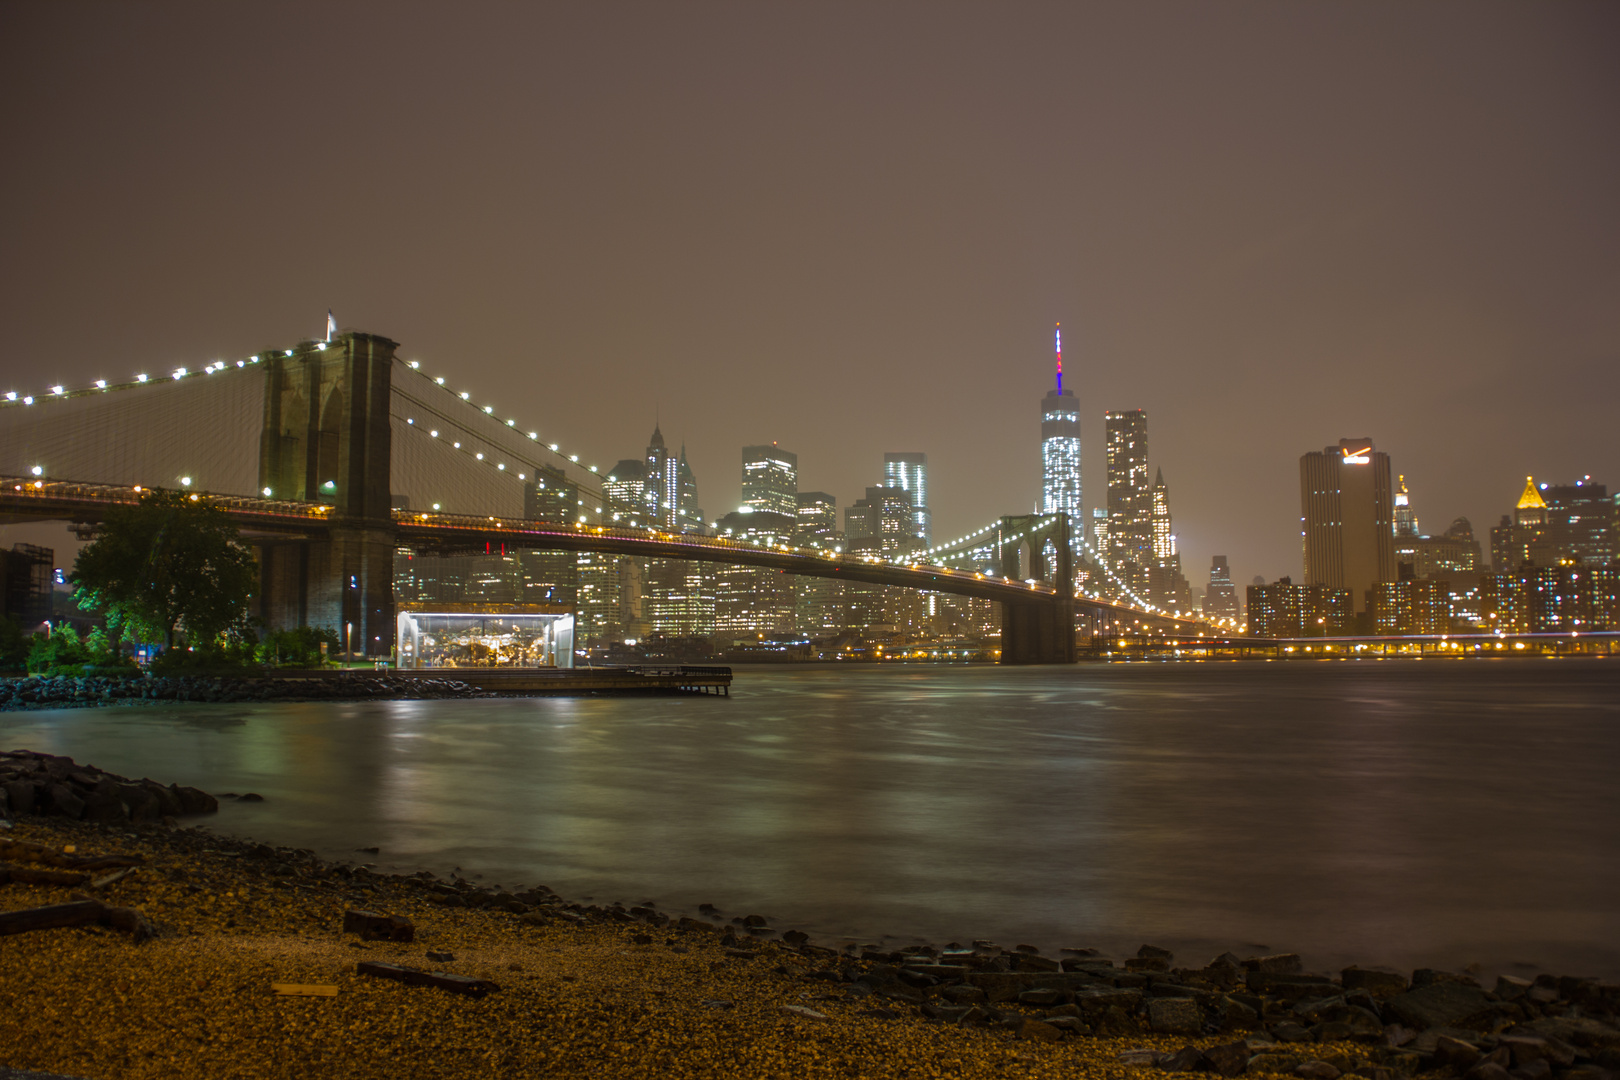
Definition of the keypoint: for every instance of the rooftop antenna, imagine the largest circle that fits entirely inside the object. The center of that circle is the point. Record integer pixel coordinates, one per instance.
(1059, 334)
(331, 325)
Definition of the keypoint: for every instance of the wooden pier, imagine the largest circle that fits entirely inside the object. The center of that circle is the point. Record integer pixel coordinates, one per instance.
(569, 682)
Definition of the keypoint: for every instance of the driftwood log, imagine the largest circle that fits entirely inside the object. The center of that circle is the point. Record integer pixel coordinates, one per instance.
(23, 851)
(458, 984)
(76, 913)
(29, 875)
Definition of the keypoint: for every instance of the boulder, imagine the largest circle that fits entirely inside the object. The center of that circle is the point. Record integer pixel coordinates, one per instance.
(61, 801)
(1272, 1062)
(1229, 1059)
(144, 807)
(103, 806)
(20, 795)
(1380, 984)
(1039, 1031)
(1096, 1001)
(194, 801)
(1442, 1003)
(1576, 1030)
(1316, 1070)
(375, 926)
(1511, 988)
(1278, 964)
(1235, 1014)
(1188, 1057)
(1175, 1016)
(1040, 996)
(1456, 1053)
(1429, 976)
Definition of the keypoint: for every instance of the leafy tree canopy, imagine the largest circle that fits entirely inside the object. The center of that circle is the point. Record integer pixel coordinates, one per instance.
(173, 563)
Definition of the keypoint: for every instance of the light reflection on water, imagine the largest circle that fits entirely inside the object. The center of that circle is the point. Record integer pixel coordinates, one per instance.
(1405, 813)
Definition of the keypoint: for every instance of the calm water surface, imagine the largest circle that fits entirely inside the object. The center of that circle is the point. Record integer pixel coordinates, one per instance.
(1383, 812)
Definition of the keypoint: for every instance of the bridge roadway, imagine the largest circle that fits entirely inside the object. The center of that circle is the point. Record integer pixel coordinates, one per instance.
(27, 498)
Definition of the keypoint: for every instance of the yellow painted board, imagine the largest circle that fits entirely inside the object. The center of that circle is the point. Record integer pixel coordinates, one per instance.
(304, 990)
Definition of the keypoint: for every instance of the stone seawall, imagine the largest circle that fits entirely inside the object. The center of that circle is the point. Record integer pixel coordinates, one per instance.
(63, 692)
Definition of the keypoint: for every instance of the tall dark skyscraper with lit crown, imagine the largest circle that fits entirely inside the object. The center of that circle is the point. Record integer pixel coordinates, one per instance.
(1060, 451)
(1347, 518)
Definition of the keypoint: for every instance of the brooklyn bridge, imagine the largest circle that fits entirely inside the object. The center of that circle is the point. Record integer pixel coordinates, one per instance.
(332, 455)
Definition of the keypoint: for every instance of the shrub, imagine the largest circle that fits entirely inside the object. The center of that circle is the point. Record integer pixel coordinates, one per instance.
(226, 657)
(14, 645)
(297, 648)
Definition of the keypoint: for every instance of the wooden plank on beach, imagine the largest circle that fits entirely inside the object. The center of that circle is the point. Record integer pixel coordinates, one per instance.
(304, 989)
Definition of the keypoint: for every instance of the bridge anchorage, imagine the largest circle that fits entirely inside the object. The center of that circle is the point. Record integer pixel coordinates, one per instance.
(332, 455)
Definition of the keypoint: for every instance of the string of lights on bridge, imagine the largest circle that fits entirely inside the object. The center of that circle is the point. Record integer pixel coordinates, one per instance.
(179, 373)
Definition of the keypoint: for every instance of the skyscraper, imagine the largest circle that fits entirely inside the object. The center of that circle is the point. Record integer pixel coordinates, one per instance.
(817, 519)
(750, 598)
(1220, 600)
(1167, 586)
(1164, 539)
(1406, 522)
(1346, 518)
(770, 480)
(678, 594)
(1060, 451)
(1130, 498)
(663, 482)
(818, 603)
(909, 473)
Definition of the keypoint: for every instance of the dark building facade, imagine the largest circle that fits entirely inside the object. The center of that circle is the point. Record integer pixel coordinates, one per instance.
(1220, 599)
(1346, 518)
(25, 584)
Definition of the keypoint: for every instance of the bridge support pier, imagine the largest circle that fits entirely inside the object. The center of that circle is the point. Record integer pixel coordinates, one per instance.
(1038, 633)
(342, 582)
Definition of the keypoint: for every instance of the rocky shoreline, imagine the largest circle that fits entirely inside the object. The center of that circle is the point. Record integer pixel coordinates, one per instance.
(63, 692)
(823, 1011)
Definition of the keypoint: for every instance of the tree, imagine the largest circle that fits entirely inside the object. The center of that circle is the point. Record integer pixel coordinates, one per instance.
(171, 563)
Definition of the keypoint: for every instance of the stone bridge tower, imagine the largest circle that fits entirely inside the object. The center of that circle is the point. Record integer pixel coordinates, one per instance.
(326, 439)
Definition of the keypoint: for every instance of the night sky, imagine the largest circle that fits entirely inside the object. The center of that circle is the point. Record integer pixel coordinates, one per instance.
(849, 229)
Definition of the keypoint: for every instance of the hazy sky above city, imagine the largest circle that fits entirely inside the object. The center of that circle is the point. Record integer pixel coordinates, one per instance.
(850, 228)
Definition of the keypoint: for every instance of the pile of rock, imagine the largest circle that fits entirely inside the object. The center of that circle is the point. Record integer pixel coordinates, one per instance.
(32, 783)
(1551, 1028)
(62, 692)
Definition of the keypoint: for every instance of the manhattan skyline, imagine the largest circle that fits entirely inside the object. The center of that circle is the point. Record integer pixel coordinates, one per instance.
(854, 243)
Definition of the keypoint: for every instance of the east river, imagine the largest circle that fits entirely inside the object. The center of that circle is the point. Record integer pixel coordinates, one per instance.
(1434, 813)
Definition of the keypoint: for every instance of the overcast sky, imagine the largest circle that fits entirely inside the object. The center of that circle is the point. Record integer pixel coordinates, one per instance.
(850, 229)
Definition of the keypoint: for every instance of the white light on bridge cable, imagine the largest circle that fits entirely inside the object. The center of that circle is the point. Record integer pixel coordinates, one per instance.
(11, 395)
(101, 384)
(140, 378)
(267, 493)
(38, 470)
(185, 481)
(56, 389)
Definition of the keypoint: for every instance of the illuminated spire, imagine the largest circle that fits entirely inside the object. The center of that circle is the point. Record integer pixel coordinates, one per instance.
(1531, 499)
(1059, 346)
